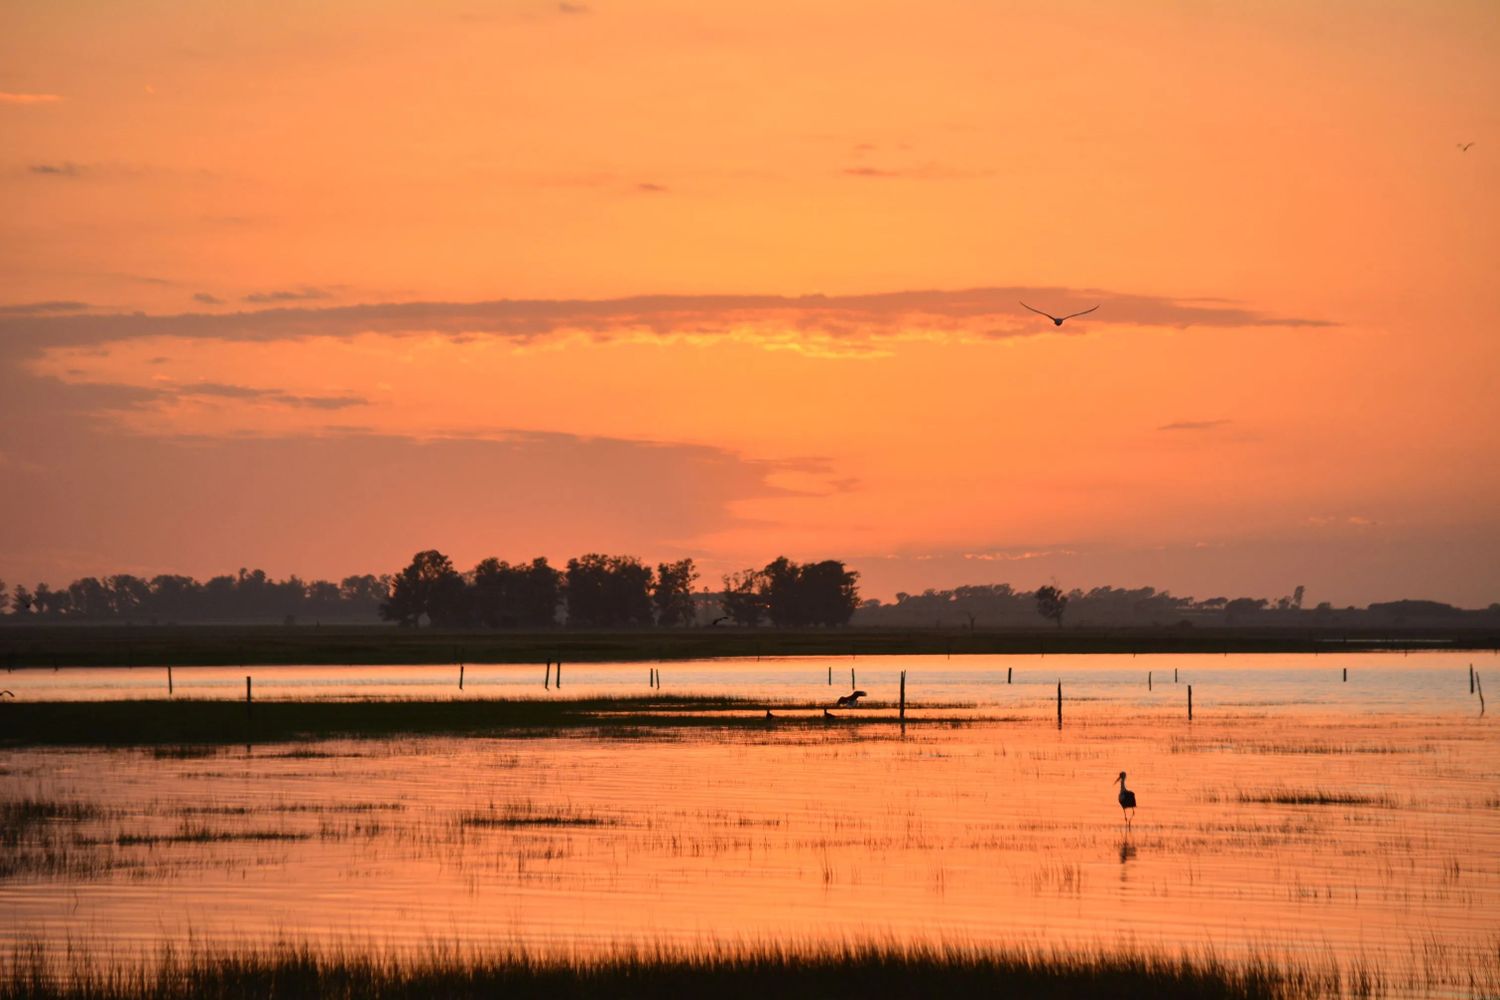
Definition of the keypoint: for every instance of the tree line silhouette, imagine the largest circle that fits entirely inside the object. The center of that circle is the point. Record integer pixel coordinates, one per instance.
(612, 591)
(606, 591)
(249, 595)
(1002, 606)
(592, 591)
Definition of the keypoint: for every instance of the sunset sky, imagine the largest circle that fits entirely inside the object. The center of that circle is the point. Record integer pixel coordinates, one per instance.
(312, 286)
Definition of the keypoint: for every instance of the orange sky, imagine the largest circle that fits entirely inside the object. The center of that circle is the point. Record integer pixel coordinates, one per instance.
(212, 215)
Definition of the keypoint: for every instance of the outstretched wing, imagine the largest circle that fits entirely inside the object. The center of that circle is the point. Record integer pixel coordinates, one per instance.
(1084, 313)
(1040, 313)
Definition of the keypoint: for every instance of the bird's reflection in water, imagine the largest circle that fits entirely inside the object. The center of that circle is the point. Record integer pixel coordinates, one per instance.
(1127, 851)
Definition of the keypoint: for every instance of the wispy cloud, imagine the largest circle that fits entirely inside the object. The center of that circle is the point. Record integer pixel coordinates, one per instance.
(40, 308)
(929, 172)
(1018, 556)
(1353, 520)
(573, 8)
(229, 391)
(1193, 425)
(10, 98)
(304, 294)
(829, 325)
(64, 169)
(207, 299)
(648, 187)
(132, 397)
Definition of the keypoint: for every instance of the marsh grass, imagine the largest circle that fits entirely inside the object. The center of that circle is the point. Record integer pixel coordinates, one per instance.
(194, 834)
(289, 807)
(189, 728)
(725, 971)
(38, 837)
(1313, 797)
(521, 815)
(1179, 745)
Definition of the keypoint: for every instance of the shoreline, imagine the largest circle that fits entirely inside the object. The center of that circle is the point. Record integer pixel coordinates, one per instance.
(52, 646)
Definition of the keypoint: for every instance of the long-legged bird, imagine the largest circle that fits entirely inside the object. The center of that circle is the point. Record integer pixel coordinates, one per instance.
(1127, 798)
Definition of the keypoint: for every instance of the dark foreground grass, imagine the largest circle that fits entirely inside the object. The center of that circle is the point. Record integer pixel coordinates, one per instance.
(758, 972)
(48, 646)
(185, 724)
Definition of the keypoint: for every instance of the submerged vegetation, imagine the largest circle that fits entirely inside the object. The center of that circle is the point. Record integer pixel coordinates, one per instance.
(185, 729)
(1313, 797)
(851, 970)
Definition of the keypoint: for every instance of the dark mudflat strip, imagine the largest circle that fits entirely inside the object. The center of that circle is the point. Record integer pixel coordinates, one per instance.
(57, 646)
(186, 723)
(856, 972)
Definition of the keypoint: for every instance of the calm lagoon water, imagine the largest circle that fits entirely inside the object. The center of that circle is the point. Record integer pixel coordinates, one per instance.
(1297, 813)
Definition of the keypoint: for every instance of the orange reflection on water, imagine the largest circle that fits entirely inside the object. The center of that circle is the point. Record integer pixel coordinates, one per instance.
(1295, 833)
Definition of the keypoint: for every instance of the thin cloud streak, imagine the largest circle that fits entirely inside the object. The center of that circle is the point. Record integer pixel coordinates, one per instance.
(66, 169)
(11, 98)
(36, 308)
(304, 294)
(1193, 425)
(978, 313)
(229, 391)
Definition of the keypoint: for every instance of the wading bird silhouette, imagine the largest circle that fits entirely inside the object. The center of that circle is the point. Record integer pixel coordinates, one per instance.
(850, 700)
(1058, 320)
(1463, 147)
(1127, 798)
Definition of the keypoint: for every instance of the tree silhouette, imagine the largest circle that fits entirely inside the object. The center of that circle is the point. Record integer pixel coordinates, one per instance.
(742, 598)
(608, 591)
(822, 593)
(673, 593)
(523, 595)
(429, 587)
(1051, 603)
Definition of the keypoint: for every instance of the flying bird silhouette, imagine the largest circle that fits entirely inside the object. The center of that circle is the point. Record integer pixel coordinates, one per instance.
(1058, 320)
(1463, 147)
(850, 700)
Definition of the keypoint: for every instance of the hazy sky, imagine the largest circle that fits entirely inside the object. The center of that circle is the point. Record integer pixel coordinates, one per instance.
(313, 286)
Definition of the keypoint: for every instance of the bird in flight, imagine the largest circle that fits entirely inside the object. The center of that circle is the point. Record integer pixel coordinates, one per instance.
(1058, 320)
(1463, 147)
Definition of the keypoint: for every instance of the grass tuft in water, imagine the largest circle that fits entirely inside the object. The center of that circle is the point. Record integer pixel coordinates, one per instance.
(1313, 797)
(528, 815)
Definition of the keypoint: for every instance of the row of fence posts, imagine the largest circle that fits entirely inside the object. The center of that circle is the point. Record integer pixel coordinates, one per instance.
(1476, 687)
